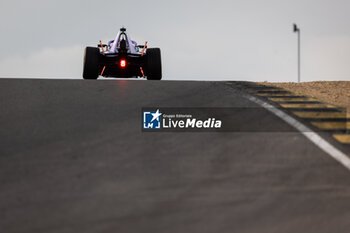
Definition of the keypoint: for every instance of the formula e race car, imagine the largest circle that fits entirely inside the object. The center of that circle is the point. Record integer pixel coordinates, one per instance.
(122, 58)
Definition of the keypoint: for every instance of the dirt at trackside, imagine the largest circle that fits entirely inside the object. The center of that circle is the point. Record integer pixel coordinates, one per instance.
(335, 92)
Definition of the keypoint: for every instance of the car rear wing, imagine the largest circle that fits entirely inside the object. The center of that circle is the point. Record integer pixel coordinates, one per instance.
(106, 46)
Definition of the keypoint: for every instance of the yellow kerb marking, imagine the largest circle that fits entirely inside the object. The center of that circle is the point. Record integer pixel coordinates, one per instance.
(319, 115)
(343, 138)
(306, 106)
(332, 125)
(276, 94)
(291, 99)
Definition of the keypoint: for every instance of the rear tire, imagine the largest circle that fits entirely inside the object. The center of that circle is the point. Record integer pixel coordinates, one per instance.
(91, 58)
(154, 64)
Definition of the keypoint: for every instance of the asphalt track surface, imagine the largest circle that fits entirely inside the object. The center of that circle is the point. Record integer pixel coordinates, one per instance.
(73, 158)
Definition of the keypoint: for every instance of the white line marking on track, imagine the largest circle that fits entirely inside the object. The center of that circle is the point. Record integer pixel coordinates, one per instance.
(307, 132)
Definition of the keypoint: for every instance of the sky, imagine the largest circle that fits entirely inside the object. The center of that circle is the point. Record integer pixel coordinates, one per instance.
(200, 40)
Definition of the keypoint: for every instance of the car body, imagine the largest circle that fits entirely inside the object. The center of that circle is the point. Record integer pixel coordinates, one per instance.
(122, 58)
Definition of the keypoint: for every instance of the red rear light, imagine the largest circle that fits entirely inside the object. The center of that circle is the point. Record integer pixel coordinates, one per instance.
(122, 63)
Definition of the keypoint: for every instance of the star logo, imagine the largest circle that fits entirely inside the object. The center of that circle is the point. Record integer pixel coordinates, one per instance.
(152, 119)
(156, 115)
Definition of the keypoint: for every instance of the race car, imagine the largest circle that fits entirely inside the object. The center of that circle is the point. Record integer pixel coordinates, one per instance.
(122, 58)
